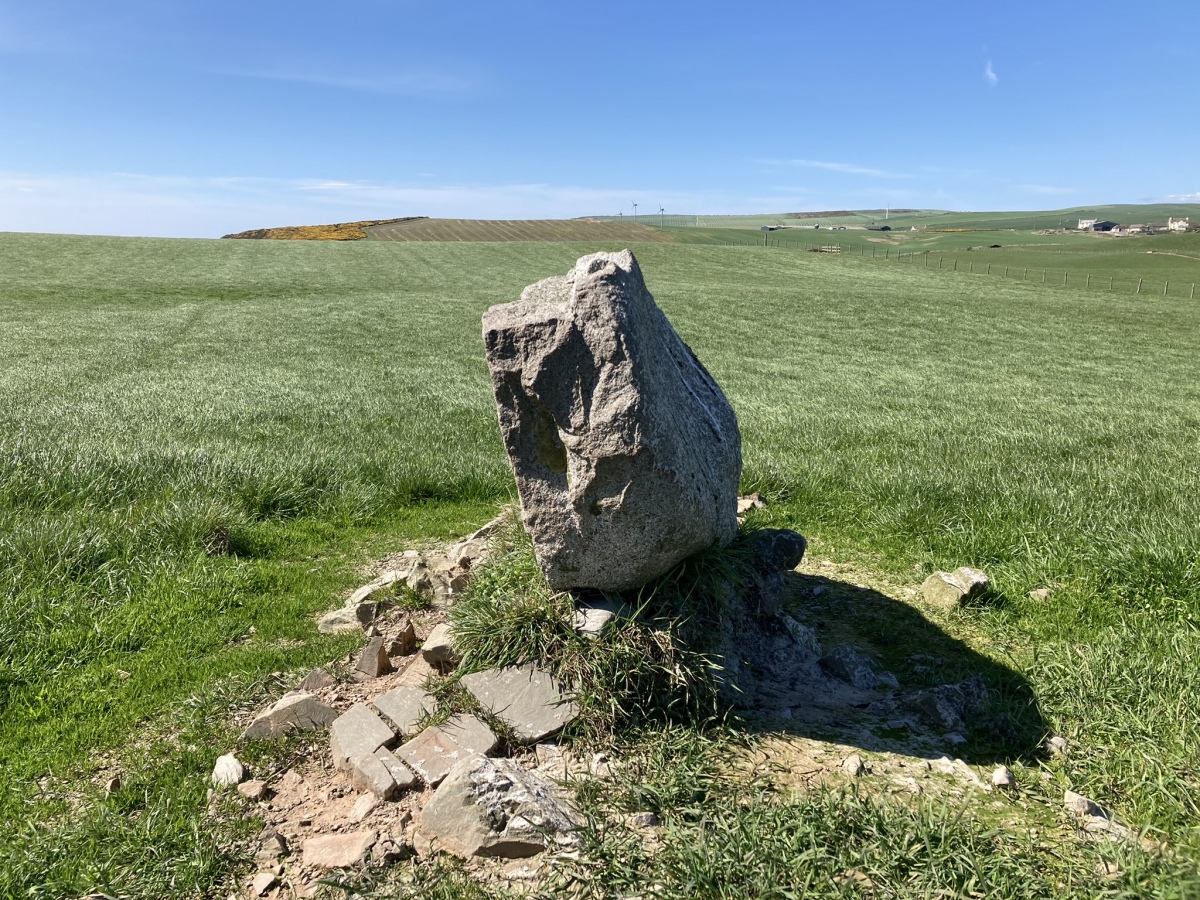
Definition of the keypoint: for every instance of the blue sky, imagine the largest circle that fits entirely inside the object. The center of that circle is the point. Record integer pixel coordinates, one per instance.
(195, 119)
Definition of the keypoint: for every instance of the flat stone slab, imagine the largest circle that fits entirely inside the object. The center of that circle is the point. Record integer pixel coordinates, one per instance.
(435, 751)
(530, 701)
(348, 618)
(379, 773)
(494, 807)
(404, 707)
(338, 851)
(295, 711)
(357, 732)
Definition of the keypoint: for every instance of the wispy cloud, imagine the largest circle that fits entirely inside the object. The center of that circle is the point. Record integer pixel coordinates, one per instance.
(429, 81)
(1179, 198)
(1047, 189)
(844, 168)
(989, 75)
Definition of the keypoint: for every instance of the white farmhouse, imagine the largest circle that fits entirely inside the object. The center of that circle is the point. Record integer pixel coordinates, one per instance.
(1178, 224)
(1086, 224)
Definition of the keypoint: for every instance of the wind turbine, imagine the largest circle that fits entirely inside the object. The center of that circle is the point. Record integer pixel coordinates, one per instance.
(660, 218)
(635, 210)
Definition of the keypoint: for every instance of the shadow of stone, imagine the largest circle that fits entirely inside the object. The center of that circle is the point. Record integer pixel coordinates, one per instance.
(851, 665)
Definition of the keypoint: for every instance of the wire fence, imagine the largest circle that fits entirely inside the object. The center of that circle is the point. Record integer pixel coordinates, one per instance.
(930, 259)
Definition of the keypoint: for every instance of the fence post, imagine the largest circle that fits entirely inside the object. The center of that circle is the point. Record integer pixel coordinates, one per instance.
(1166, 284)
(872, 253)
(956, 264)
(1025, 277)
(927, 257)
(1193, 294)
(886, 251)
(1006, 271)
(1043, 276)
(1089, 283)
(941, 261)
(972, 267)
(1110, 282)
(1064, 277)
(989, 268)
(1139, 290)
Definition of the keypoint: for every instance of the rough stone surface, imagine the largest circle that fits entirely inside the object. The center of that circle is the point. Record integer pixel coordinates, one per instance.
(348, 618)
(404, 642)
(315, 680)
(363, 807)
(357, 732)
(530, 701)
(263, 882)
(853, 765)
(338, 851)
(438, 648)
(253, 790)
(1003, 778)
(435, 751)
(296, 711)
(379, 773)
(749, 502)
(626, 453)
(591, 617)
(1081, 805)
(227, 771)
(404, 706)
(493, 807)
(1056, 745)
(949, 706)
(1040, 594)
(950, 589)
(777, 550)
(373, 660)
(845, 664)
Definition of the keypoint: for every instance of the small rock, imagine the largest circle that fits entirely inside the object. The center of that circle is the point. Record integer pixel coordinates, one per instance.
(228, 771)
(435, 751)
(379, 773)
(315, 680)
(749, 502)
(593, 616)
(405, 641)
(373, 660)
(776, 550)
(644, 820)
(845, 664)
(357, 732)
(802, 636)
(1040, 594)
(387, 852)
(273, 846)
(952, 589)
(338, 851)
(253, 790)
(415, 674)
(295, 711)
(854, 766)
(1003, 778)
(533, 703)
(494, 807)
(405, 706)
(112, 785)
(947, 706)
(363, 807)
(1106, 868)
(1056, 745)
(263, 882)
(438, 649)
(348, 618)
(1081, 805)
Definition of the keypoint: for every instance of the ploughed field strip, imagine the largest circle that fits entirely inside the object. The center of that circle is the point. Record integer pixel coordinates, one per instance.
(484, 230)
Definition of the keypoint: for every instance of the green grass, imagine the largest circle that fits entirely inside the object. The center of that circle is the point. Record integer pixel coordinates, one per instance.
(488, 230)
(201, 437)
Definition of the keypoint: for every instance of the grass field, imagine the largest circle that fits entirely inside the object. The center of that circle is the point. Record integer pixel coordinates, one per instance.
(488, 230)
(202, 441)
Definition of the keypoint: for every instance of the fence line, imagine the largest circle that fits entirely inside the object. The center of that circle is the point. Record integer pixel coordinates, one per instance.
(900, 256)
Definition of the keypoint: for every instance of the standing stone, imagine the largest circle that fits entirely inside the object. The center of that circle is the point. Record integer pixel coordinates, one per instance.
(626, 453)
(493, 807)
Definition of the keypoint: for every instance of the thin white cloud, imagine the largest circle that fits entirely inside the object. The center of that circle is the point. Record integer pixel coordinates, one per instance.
(1047, 189)
(406, 83)
(844, 168)
(1179, 198)
(989, 75)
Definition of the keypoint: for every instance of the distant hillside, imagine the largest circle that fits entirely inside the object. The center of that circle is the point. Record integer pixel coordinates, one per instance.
(342, 231)
(495, 230)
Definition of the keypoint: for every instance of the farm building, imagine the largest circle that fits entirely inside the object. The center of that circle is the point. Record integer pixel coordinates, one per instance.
(1178, 224)
(1104, 226)
(1086, 224)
